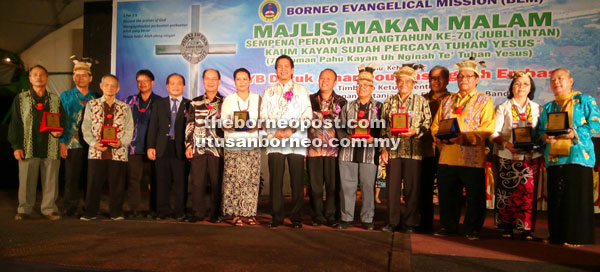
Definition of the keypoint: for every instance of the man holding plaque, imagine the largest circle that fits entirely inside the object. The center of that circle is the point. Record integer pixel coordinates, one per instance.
(72, 146)
(570, 159)
(286, 101)
(358, 161)
(439, 76)
(462, 157)
(407, 119)
(37, 151)
(138, 164)
(165, 145)
(107, 128)
(321, 161)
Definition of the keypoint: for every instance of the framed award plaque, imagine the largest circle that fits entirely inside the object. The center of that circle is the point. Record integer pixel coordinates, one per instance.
(448, 129)
(558, 123)
(108, 135)
(50, 122)
(522, 138)
(240, 119)
(399, 123)
(361, 131)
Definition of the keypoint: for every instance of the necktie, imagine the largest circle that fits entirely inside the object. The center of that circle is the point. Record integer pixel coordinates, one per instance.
(173, 116)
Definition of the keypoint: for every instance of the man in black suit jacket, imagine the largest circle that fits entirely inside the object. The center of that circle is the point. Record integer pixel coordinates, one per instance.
(165, 142)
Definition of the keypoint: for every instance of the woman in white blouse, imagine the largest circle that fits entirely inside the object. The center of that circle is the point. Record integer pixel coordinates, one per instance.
(241, 173)
(517, 167)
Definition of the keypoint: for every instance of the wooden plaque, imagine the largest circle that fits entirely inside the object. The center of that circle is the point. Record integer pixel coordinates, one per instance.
(50, 122)
(108, 135)
(399, 123)
(448, 129)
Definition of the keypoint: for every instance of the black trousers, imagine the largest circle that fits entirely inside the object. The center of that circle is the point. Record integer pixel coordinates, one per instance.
(323, 171)
(137, 166)
(75, 178)
(571, 204)
(203, 168)
(451, 180)
(170, 171)
(98, 172)
(428, 176)
(408, 170)
(296, 169)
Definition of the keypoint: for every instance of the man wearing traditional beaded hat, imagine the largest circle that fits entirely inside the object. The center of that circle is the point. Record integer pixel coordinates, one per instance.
(72, 146)
(358, 163)
(36, 151)
(405, 162)
(462, 158)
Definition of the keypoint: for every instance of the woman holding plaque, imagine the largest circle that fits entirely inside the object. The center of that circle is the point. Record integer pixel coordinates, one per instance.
(517, 159)
(567, 125)
(241, 176)
(408, 118)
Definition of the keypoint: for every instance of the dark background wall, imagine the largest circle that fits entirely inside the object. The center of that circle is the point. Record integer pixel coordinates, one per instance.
(97, 26)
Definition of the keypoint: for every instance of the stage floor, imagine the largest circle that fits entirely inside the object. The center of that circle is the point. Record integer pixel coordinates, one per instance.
(69, 244)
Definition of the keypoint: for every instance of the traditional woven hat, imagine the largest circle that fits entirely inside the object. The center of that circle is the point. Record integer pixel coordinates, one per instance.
(470, 64)
(409, 70)
(366, 72)
(84, 64)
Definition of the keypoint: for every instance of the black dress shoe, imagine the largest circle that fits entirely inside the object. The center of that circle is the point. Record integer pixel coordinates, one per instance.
(368, 226)
(389, 228)
(345, 225)
(334, 225)
(296, 225)
(273, 225)
(443, 232)
(409, 229)
(317, 223)
(161, 217)
(473, 235)
(216, 220)
(191, 219)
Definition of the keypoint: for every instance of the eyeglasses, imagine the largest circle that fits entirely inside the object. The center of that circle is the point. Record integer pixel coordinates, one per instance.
(469, 77)
(365, 86)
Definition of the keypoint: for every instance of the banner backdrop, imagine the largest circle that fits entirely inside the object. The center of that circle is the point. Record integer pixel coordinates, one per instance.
(189, 36)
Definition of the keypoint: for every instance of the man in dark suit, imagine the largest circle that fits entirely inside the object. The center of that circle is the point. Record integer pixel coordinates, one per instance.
(166, 133)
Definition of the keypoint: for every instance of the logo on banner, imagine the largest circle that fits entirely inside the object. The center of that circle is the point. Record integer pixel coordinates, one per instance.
(194, 47)
(269, 10)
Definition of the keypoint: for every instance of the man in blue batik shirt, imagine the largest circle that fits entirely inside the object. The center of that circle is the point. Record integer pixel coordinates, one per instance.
(138, 164)
(72, 146)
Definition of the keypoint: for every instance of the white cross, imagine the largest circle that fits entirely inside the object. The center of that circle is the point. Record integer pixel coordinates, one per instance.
(194, 47)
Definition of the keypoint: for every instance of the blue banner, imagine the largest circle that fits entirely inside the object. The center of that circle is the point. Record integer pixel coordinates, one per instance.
(189, 36)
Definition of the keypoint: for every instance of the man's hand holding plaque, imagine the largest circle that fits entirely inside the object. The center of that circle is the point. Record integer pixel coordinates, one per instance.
(108, 136)
(51, 123)
(448, 129)
(399, 123)
(361, 131)
(558, 123)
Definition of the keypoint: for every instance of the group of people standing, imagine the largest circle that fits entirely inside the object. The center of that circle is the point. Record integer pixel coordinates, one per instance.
(169, 136)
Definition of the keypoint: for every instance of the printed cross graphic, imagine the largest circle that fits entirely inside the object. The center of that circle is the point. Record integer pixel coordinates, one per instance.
(194, 47)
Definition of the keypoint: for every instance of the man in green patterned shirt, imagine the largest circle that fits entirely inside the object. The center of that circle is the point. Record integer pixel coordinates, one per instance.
(404, 162)
(37, 152)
